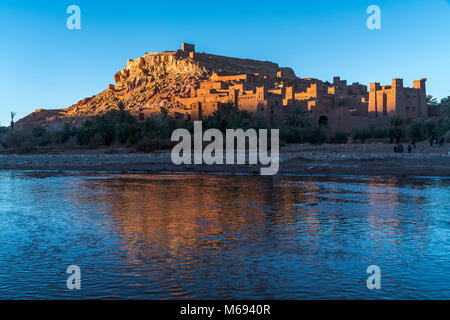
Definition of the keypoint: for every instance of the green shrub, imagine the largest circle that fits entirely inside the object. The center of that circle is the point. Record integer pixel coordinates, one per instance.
(294, 134)
(148, 144)
(297, 117)
(96, 141)
(3, 131)
(82, 137)
(38, 132)
(318, 135)
(13, 139)
(41, 137)
(379, 132)
(127, 133)
(26, 147)
(396, 132)
(339, 137)
(430, 128)
(447, 137)
(64, 135)
(395, 122)
(395, 127)
(417, 130)
(443, 126)
(361, 135)
(229, 116)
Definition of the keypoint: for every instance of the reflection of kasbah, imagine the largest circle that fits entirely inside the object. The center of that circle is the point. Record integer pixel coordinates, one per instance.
(191, 85)
(178, 227)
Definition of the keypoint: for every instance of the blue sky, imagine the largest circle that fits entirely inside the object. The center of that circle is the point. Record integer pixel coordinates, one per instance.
(46, 65)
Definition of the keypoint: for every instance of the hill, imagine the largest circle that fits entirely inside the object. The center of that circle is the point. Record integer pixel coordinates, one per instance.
(152, 82)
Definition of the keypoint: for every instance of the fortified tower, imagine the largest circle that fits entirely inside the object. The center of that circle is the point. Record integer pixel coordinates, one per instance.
(419, 85)
(407, 103)
(188, 47)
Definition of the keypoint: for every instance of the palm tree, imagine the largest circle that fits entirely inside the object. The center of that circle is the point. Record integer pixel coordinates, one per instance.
(431, 100)
(395, 122)
(445, 107)
(395, 127)
(13, 114)
(120, 105)
(297, 117)
(220, 118)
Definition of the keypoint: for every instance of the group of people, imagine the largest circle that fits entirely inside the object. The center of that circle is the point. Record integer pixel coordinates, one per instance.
(436, 140)
(400, 149)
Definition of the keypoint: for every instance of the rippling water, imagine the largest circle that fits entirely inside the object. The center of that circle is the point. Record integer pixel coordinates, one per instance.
(206, 236)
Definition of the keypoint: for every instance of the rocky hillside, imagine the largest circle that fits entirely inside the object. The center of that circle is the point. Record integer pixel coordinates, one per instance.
(151, 82)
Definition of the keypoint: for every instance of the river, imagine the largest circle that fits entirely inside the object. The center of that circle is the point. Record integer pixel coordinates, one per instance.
(183, 236)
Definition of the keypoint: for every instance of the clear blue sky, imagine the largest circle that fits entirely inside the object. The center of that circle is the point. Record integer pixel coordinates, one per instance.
(45, 65)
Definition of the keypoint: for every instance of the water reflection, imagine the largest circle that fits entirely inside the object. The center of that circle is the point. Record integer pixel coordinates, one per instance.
(205, 236)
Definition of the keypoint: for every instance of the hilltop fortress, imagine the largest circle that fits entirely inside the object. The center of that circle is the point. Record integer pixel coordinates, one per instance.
(191, 85)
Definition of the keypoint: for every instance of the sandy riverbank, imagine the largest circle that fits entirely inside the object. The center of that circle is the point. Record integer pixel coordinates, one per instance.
(361, 159)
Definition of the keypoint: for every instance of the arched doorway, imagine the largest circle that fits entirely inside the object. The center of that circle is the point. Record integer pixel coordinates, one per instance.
(323, 121)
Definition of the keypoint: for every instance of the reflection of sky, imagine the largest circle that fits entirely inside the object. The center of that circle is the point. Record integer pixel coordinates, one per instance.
(190, 236)
(438, 207)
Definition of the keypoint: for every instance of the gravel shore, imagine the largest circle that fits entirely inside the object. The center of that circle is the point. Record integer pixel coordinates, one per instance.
(360, 159)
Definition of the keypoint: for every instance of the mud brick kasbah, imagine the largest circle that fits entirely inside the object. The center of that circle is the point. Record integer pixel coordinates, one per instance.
(192, 85)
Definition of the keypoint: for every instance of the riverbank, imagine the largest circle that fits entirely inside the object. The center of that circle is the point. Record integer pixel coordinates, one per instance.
(359, 159)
